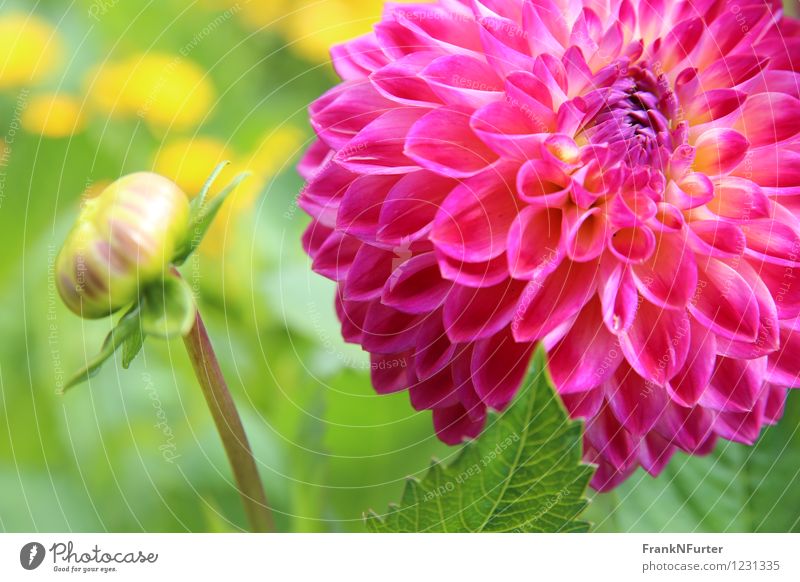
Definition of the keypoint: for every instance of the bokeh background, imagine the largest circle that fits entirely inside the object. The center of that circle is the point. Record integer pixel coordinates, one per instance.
(93, 89)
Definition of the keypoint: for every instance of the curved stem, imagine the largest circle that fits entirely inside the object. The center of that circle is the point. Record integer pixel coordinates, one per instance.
(229, 425)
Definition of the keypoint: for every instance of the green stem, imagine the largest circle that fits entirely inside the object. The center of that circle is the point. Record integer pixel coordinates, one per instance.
(229, 426)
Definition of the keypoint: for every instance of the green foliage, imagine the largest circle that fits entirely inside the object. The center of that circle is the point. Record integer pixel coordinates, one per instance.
(203, 211)
(524, 474)
(736, 489)
(128, 327)
(167, 308)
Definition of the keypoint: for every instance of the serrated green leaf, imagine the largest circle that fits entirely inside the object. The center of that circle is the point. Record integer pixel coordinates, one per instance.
(167, 308)
(524, 474)
(127, 326)
(203, 212)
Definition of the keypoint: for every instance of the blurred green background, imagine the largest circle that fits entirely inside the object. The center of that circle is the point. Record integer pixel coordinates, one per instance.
(91, 90)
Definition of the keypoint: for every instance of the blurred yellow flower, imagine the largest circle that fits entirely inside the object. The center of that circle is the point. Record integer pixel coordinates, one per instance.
(189, 161)
(277, 151)
(314, 26)
(310, 26)
(30, 51)
(53, 115)
(167, 91)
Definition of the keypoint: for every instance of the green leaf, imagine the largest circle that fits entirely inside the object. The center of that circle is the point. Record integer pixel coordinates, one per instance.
(168, 308)
(132, 346)
(737, 488)
(128, 326)
(203, 212)
(524, 474)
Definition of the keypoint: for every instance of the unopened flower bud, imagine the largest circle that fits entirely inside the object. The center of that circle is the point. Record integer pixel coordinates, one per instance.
(124, 239)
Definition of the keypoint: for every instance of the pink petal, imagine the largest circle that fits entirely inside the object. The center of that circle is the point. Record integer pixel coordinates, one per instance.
(741, 427)
(657, 343)
(715, 104)
(784, 365)
(352, 315)
(328, 185)
(669, 277)
(732, 71)
(357, 58)
(534, 247)
(584, 233)
(473, 221)
(378, 148)
(455, 424)
(738, 199)
(367, 276)
(583, 404)
(637, 403)
(408, 211)
(438, 391)
(545, 305)
(509, 130)
(360, 208)
(315, 158)
(769, 118)
(691, 191)
(725, 302)
(335, 256)
(775, 403)
(716, 238)
(783, 286)
(688, 428)
(339, 115)
(472, 313)
(415, 286)
(634, 244)
(768, 339)
(400, 81)
(543, 184)
(777, 166)
(463, 81)
(689, 384)
(504, 45)
(772, 241)
(618, 295)
(654, 453)
(434, 348)
(481, 274)
(610, 439)
(388, 331)
(499, 365)
(390, 373)
(735, 384)
(443, 141)
(718, 151)
(314, 237)
(587, 356)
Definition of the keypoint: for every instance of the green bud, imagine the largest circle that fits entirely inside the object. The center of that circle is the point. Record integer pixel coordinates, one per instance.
(124, 239)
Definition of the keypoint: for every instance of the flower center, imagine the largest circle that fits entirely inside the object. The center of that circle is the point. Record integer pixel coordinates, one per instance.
(636, 113)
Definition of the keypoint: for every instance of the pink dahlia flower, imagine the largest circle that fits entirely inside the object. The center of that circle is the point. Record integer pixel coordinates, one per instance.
(618, 180)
